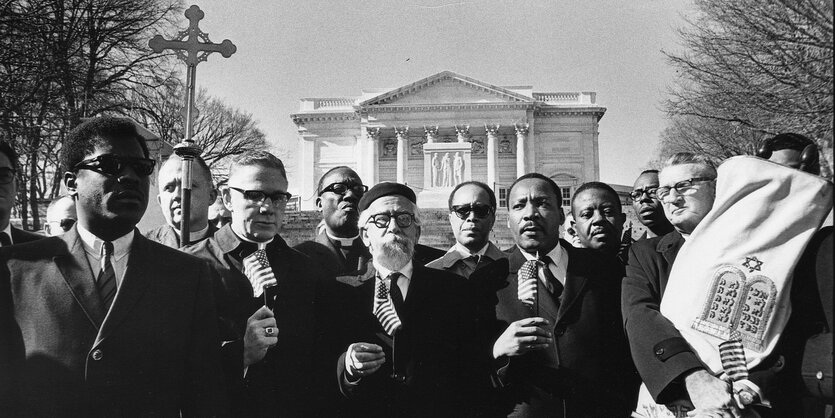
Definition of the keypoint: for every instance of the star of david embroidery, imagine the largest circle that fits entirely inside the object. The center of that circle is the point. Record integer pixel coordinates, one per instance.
(752, 264)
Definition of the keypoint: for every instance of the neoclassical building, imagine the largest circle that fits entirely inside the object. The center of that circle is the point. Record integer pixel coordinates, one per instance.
(447, 128)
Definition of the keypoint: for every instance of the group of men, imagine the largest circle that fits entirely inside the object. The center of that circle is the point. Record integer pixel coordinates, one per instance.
(362, 320)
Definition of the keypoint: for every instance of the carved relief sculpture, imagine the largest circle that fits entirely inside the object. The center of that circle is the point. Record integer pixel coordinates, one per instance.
(447, 171)
(463, 132)
(436, 170)
(458, 165)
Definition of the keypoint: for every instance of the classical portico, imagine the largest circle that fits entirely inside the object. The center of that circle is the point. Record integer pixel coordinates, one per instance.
(446, 129)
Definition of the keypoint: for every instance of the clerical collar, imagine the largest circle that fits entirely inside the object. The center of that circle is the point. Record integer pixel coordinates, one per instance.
(345, 242)
(193, 235)
(249, 240)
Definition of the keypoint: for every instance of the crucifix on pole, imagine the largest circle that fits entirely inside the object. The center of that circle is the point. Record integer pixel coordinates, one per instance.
(192, 46)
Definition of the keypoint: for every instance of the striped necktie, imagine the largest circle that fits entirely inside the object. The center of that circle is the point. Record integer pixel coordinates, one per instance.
(551, 283)
(383, 306)
(106, 282)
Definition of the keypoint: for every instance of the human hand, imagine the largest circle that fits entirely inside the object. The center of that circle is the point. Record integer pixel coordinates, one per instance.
(261, 334)
(363, 359)
(711, 396)
(523, 336)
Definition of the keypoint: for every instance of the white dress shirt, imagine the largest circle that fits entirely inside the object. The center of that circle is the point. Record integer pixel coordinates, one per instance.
(402, 281)
(121, 250)
(558, 264)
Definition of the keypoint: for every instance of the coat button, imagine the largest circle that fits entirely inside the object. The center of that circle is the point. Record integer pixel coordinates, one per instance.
(97, 354)
(659, 351)
(819, 375)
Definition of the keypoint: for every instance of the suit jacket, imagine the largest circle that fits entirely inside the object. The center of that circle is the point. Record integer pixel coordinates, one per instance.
(662, 356)
(592, 374)
(295, 377)
(20, 236)
(433, 365)
(156, 351)
(166, 235)
(326, 254)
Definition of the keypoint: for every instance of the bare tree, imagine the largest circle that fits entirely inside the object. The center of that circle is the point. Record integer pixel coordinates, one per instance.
(755, 68)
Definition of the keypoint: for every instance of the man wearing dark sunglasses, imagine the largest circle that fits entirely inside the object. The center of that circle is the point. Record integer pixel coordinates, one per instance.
(203, 194)
(472, 213)
(60, 216)
(273, 297)
(9, 234)
(102, 321)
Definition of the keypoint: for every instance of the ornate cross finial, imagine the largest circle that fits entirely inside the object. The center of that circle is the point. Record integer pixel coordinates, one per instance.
(193, 45)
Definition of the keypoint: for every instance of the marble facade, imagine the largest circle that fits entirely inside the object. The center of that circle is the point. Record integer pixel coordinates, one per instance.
(439, 131)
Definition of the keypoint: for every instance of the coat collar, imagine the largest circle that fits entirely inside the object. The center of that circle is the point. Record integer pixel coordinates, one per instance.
(227, 241)
(669, 245)
(453, 255)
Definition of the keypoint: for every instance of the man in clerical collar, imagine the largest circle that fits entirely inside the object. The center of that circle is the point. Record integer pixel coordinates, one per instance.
(472, 213)
(414, 351)
(130, 322)
(647, 206)
(203, 194)
(60, 216)
(562, 351)
(271, 296)
(338, 246)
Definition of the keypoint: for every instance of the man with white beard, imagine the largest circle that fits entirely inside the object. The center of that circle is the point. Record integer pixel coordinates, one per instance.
(415, 351)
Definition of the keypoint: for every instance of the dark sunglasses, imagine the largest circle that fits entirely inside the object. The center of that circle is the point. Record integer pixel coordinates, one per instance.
(112, 165)
(342, 188)
(402, 219)
(463, 211)
(6, 175)
(260, 196)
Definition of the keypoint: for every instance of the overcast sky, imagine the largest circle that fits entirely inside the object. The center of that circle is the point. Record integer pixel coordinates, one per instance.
(313, 48)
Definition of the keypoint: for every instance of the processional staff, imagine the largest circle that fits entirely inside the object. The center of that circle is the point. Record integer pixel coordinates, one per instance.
(192, 46)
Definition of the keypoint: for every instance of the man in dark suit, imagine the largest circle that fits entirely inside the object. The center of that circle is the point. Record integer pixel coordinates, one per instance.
(100, 321)
(563, 352)
(599, 219)
(203, 194)
(10, 235)
(274, 299)
(647, 206)
(414, 352)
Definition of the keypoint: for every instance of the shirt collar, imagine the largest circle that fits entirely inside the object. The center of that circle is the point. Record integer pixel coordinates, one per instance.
(555, 254)
(8, 232)
(93, 244)
(193, 235)
(383, 272)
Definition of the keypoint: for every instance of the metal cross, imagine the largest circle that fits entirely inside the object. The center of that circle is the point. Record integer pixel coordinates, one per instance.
(192, 46)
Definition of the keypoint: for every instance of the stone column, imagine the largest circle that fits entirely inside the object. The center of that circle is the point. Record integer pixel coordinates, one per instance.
(492, 153)
(521, 138)
(402, 134)
(370, 157)
(431, 134)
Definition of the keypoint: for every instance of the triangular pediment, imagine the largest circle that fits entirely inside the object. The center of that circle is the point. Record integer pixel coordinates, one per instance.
(447, 88)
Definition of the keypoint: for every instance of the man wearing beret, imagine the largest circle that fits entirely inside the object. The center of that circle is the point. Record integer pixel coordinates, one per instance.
(414, 351)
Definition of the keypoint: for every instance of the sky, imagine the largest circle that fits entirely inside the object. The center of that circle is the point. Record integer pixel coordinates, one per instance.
(312, 48)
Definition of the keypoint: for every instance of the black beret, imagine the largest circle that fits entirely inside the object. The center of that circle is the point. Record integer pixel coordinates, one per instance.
(386, 189)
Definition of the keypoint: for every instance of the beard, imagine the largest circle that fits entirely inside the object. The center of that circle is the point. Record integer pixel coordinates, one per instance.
(393, 252)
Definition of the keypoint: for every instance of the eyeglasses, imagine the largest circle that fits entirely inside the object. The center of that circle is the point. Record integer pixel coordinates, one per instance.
(342, 188)
(463, 211)
(682, 187)
(66, 224)
(260, 196)
(112, 165)
(402, 219)
(637, 194)
(6, 175)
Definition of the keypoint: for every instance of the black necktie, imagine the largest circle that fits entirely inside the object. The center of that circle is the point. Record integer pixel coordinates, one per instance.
(396, 294)
(106, 282)
(554, 286)
(5, 240)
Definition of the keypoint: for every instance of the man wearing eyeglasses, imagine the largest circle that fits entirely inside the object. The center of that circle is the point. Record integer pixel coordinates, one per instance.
(10, 235)
(272, 298)
(647, 206)
(414, 351)
(472, 212)
(100, 321)
(203, 194)
(562, 352)
(338, 246)
(669, 368)
(60, 216)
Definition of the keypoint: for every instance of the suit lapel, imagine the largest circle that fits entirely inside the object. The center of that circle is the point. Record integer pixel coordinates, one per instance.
(133, 286)
(75, 268)
(574, 285)
(323, 239)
